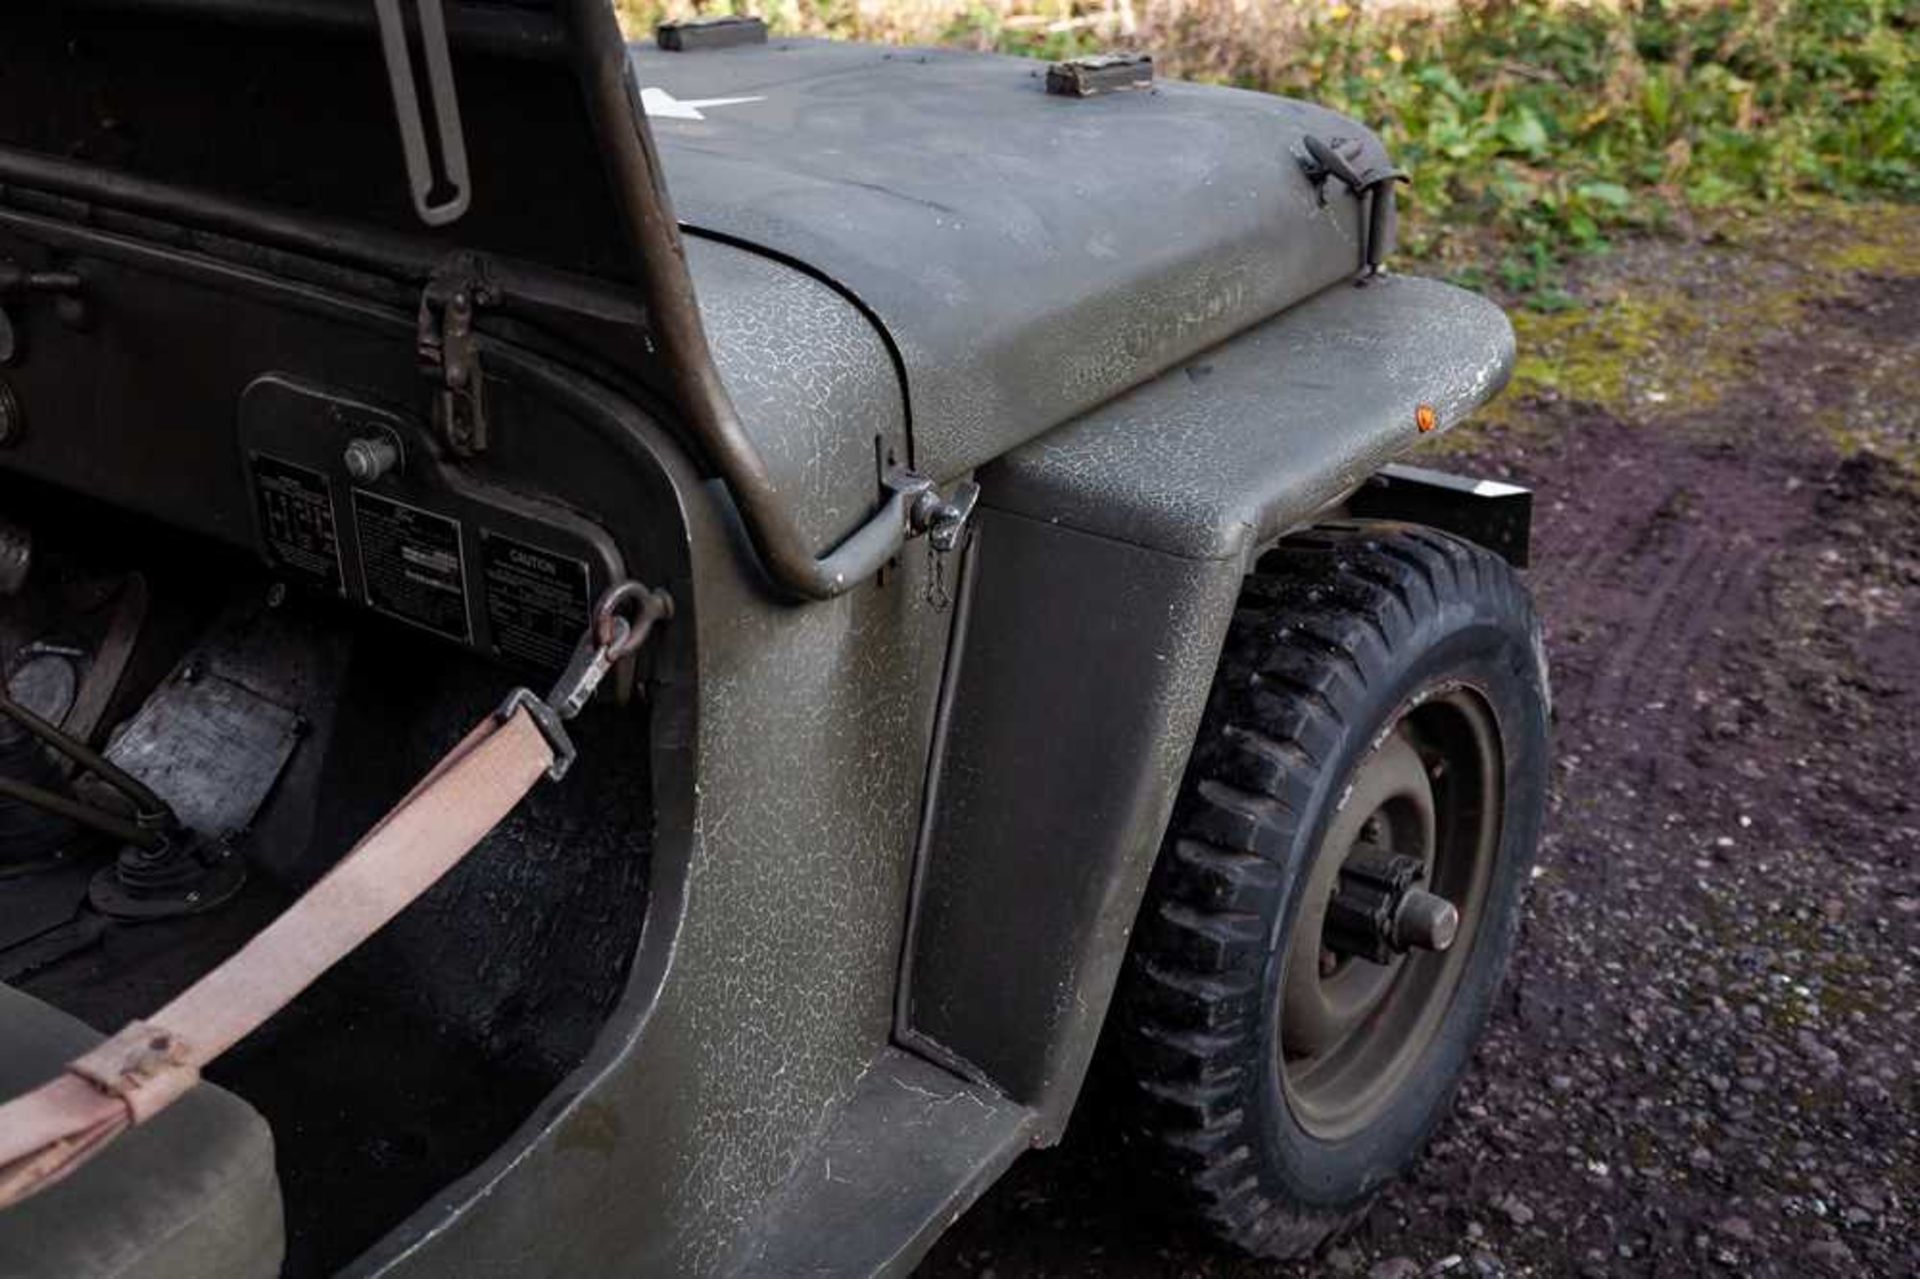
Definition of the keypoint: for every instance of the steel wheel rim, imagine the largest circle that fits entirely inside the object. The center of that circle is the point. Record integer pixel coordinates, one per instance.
(1350, 1034)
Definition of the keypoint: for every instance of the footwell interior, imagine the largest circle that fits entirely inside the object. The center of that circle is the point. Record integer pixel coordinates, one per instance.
(420, 1054)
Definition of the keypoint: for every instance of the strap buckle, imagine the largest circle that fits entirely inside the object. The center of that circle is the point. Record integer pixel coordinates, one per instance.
(622, 620)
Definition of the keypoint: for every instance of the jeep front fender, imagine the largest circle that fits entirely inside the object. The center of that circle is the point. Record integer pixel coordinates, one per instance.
(1109, 557)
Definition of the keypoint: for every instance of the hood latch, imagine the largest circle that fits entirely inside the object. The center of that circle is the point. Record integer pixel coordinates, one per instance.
(449, 349)
(1364, 168)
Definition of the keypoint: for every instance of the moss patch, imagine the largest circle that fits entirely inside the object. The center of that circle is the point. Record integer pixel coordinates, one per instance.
(1861, 239)
(1668, 330)
(1636, 354)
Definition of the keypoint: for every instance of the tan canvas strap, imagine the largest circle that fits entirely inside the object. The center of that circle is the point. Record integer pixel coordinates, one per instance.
(126, 1080)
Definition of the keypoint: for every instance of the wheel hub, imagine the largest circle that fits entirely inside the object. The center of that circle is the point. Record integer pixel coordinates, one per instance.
(1388, 912)
(1378, 909)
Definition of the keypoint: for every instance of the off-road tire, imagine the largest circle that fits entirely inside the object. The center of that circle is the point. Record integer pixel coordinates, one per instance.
(1335, 634)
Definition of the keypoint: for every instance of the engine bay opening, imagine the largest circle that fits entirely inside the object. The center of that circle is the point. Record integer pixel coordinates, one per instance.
(187, 743)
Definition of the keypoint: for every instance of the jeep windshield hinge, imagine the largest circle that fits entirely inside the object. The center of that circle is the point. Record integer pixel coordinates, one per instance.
(450, 350)
(1363, 167)
(942, 519)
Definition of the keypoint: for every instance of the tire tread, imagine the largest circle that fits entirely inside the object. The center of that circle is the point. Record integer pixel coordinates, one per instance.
(1317, 625)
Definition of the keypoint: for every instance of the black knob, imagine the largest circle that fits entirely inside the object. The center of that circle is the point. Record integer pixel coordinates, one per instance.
(371, 457)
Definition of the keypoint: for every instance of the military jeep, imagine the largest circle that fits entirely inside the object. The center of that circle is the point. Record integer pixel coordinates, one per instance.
(976, 498)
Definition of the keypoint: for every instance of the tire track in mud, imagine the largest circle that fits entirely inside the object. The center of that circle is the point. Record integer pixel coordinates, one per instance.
(1657, 562)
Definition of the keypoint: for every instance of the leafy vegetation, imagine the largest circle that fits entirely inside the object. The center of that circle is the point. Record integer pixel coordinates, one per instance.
(1534, 130)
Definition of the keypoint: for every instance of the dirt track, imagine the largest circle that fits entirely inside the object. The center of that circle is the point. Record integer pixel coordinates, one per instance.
(1707, 1057)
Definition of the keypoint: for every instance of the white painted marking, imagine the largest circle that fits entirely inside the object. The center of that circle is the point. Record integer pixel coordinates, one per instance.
(664, 106)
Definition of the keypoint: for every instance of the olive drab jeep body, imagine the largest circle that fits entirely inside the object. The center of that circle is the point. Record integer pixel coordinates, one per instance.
(955, 504)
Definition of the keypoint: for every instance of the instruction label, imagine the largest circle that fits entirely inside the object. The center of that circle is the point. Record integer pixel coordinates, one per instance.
(537, 601)
(410, 559)
(296, 521)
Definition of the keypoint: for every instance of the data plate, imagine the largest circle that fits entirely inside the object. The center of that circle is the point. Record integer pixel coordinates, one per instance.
(537, 601)
(410, 559)
(296, 521)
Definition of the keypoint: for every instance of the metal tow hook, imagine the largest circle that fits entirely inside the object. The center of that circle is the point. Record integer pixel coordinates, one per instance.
(623, 619)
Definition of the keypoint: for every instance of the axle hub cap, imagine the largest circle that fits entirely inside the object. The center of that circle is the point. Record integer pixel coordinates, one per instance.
(1378, 910)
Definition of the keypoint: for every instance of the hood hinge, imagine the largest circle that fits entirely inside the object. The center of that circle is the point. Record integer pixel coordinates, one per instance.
(449, 350)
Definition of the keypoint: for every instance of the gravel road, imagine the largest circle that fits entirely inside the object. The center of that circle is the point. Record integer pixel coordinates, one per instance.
(1705, 1058)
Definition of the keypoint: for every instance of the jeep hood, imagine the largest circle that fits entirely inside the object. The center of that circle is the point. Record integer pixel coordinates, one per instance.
(1027, 255)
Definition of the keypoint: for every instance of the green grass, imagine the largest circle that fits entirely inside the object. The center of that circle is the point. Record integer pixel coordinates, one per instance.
(1533, 131)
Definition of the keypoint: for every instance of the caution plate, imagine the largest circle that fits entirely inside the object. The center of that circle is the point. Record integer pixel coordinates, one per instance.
(537, 601)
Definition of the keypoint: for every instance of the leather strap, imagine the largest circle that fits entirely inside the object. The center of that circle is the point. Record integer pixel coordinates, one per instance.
(131, 1077)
